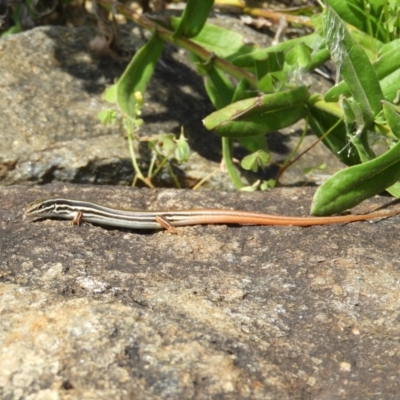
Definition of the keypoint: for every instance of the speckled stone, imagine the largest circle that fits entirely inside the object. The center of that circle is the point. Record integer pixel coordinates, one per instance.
(212, 312)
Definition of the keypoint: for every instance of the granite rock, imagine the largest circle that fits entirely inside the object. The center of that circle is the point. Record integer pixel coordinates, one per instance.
(212, 312)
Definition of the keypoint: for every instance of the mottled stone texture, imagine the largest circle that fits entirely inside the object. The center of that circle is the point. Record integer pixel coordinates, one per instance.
(213, 312)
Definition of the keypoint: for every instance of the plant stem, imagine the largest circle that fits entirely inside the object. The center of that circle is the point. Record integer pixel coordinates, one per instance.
(227, 157)
(138, 172)
(187, 44)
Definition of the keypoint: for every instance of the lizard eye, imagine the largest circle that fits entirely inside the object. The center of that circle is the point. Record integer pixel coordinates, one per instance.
(37, 205)
(40, 206)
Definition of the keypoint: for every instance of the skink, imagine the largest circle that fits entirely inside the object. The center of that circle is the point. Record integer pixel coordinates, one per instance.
(79, 211)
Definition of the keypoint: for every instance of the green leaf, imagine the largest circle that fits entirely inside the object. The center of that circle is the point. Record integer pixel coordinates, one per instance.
(370, 45)
(393, 23)
(394, 190)
(256, 160)
(259, 115)
(110, 94)
(137, 75)
(254, 143)
(219, 88)
(11, 31)
(354, 127)
(388, 61)
(265, 185)
(276, 61)
(251, 188)
(314, 41)
(326, 117)
(243, 91)
(392, 118)
(351, 186)
(391, 86)
(299, 55)
(107, 117)
(193, 19)
(317, 59)
(393, 45)
(354, 66)
(222, 42)
(266, 84)
(272, 82)
(364, 15)
(272, 62)
(386, 67)
(163, 144)
(182, 151)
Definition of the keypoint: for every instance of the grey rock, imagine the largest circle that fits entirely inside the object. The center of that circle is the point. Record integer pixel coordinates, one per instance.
(212, 312)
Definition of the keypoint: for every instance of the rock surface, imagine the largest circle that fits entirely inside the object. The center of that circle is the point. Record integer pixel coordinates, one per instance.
(212, 312)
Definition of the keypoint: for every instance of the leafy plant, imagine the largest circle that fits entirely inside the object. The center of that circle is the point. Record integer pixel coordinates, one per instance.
(268, 94)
